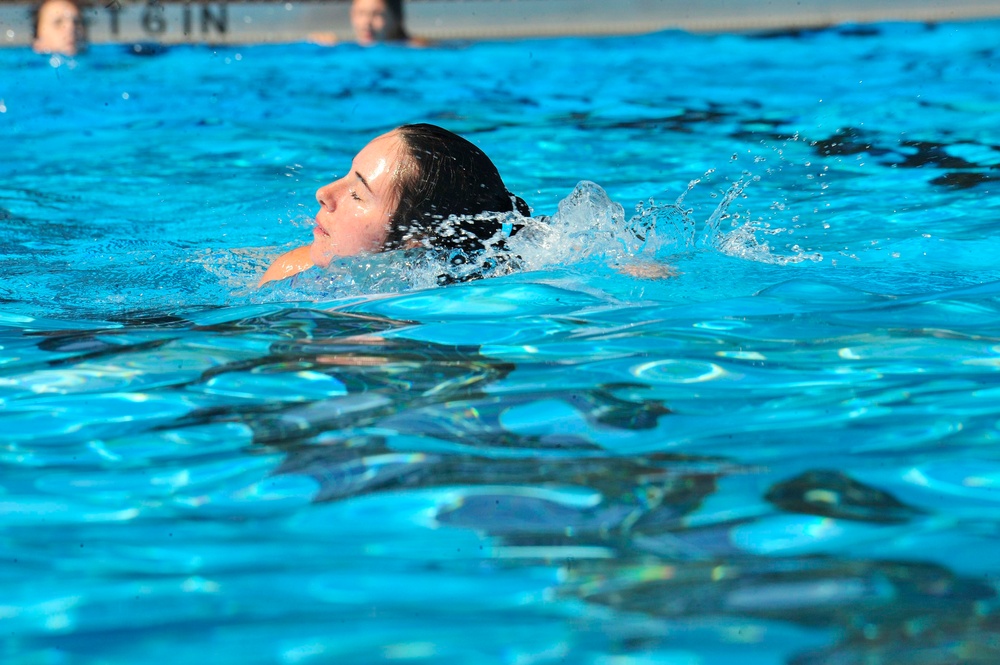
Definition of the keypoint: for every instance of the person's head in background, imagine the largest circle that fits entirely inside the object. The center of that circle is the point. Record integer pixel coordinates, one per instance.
(377, 21)
(59, 28)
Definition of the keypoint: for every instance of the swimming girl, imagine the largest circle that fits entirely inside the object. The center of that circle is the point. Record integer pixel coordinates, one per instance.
(416, 186)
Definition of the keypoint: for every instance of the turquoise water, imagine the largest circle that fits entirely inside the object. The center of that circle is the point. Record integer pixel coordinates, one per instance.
(784, 453)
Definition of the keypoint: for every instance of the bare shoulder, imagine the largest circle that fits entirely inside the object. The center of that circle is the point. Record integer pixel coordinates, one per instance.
(322, 38)
(648, 270)
(288, 264)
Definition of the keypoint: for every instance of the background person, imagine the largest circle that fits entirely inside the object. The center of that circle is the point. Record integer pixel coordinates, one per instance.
(373, 21)
(59, 28)
(376, 21)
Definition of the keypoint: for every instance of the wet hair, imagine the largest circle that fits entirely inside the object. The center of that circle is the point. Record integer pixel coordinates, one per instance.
(451, 195)
(395, 8)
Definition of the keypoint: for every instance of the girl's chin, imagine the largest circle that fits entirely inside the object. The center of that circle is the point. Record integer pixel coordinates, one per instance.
(318, 256)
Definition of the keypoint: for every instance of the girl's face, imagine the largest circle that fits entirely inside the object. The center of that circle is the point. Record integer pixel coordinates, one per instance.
(372, 21)
(60, 28)
(355, 211)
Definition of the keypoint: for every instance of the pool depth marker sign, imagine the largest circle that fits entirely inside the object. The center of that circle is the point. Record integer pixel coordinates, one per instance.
(191, 21)
(155, 23)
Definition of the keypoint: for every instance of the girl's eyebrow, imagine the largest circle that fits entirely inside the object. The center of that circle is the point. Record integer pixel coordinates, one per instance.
(363, 181)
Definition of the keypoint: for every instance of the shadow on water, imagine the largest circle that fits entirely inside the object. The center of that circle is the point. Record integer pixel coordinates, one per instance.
(629, 532)
(623, 526)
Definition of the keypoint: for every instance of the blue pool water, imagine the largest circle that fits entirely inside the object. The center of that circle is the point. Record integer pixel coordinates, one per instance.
(785, 453)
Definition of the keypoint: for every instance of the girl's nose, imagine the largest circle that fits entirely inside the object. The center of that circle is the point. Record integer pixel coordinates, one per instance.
(324, 196)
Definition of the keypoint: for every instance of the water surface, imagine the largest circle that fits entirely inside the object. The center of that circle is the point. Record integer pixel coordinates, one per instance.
(783, 454)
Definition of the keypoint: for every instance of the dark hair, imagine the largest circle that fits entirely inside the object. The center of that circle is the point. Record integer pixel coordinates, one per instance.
(444, 175)
(395, 7)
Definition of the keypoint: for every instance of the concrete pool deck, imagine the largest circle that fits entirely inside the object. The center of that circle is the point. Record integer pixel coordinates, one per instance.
(222, 22)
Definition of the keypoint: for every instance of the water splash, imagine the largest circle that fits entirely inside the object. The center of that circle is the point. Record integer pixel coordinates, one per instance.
(587, 228)
(589, 225)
